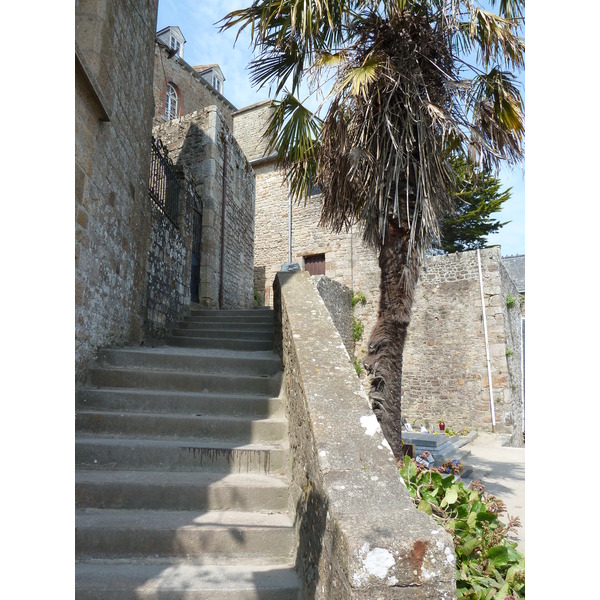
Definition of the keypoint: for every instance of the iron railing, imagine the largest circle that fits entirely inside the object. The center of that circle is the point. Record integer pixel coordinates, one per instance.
(164, 184)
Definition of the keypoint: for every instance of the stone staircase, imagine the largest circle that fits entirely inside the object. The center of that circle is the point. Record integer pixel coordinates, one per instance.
(181, 455)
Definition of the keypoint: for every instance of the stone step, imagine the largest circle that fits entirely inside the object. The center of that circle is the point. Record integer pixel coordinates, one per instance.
(226, 456)
(100, 580)
(180, 425)
(213, 361)
(227, 536)
(180, 491)
(264, 317)
(247, 335)
(182, 381)
(226, 314)
(234, 343)
(232, 323)
(256, 406)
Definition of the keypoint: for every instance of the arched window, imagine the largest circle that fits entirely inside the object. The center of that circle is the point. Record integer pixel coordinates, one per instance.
(171, 103)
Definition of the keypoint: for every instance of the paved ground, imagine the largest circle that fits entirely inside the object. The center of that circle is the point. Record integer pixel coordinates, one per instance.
(501, 469)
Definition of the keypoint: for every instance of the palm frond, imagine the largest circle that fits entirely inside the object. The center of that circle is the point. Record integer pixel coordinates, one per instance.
(498, 118)
(494, 38)
(510, 9)
(358, 78)
(293, 132)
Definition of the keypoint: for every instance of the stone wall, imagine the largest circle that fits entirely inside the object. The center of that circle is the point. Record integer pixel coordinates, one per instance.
(359, 533)
(513, 327)
(338, 301)
(201, 143)
(193, 92)
(445, 366)
(249, 126)
(113, 116)
(170, 261)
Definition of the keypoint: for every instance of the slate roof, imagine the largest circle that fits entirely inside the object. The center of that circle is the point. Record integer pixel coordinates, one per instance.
(515, 265)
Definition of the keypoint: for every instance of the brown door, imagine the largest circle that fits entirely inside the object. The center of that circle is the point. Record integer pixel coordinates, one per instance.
(315, 264)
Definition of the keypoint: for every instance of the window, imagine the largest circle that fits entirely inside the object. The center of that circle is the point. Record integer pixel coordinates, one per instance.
(216, 83)
(175, 45)
(315, 264)
(171, 103)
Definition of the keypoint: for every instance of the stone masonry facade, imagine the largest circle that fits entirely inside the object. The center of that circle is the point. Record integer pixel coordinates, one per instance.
(170, 260)
(193, 91)
(445, 374)
(113, 116)
(132, 265)
(202, 144)
(347, 259)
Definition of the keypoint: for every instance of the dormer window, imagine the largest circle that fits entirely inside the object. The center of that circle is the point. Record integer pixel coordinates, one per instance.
(175, 44)
(173, 39)
(213, 75)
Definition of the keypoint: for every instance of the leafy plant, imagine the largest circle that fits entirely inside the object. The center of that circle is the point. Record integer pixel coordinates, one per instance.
(357, 329)
(257, 298)
(508, 352)
(358, 297)
(511, 301)
(357, 367)
(488, 566)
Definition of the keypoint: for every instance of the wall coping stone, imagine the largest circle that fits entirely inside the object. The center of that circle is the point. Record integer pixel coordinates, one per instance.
(375, 543)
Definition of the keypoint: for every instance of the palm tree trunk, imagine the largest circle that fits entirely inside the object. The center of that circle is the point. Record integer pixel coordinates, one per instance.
(386, 344)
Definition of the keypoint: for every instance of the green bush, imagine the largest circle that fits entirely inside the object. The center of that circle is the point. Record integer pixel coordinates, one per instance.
(357, 329)
(511, 301)
(357, 366)
(488, 567)
(358, 297)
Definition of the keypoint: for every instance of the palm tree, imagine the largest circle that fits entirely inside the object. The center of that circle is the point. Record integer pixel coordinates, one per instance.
(412, 84)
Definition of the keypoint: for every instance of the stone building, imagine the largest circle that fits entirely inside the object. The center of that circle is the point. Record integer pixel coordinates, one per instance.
(289, 232)
(445, 362)
(139, 261)
(195, 122)
(180, 89)
(113, 116)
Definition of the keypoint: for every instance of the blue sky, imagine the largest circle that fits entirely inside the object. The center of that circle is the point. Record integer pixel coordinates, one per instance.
(205, 45)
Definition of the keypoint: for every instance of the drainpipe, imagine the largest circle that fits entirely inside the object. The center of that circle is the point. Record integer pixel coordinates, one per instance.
(487, 347)
(523, 370)
(352, 258)
(223, 225)
(289, 223)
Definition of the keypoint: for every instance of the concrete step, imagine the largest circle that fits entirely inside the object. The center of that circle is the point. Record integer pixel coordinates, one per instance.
(226, 314)
(155, 379)
(231, 326)
(100, 580)
(247, 335)
(180, 425)
(229, 537)
(256, 406)
(204, 341)
(226, 456)
(180, 491)
(213, 361)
